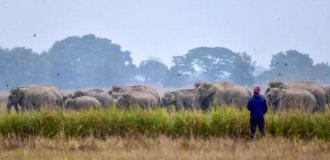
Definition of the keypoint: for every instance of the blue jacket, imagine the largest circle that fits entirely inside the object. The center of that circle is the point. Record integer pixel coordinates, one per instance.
(257, 106)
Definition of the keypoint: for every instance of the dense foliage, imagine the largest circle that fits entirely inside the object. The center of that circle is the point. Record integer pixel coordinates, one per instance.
(90, 61)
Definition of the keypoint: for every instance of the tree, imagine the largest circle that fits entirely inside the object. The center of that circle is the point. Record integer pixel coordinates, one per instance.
(153, 71)
(89, 61)
(174, 77)
(214, 64)
(242, 70)
(21, 66)
(289, 66)
(321, 73)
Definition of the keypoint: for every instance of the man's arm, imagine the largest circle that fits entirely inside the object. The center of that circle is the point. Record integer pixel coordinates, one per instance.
(249, 106)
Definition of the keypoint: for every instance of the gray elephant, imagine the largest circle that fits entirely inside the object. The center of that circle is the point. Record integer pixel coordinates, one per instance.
(219, 93)
(136, 99)
(317, 90)
(102, 96)
(60, 96)
(327, 89)
(135, 88)
(181, 99)
(83, 102)
(34, 96)
(283, 99)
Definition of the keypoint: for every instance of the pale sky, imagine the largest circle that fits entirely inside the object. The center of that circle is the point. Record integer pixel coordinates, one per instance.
(166, 28)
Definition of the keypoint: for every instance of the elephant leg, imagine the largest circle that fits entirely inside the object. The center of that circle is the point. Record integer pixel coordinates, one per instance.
(179, 106)
(23, 108)
(8, 108)
(16, 108)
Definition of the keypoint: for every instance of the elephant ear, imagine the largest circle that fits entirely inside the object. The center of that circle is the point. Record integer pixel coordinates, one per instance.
(172, 98)
(280, 95)
(78, 93)
(210, 91)
(199, 83)
(14, 91)
(127, 96)
(115, 88)
(19, 94)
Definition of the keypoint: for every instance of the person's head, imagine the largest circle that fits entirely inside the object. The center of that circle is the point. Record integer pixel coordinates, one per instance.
(256, 90)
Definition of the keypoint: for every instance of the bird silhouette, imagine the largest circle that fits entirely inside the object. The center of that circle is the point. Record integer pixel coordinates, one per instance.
(57, 75)
(34, 35)
(277, 62)
(7, 85)
(179, 74)
(285, 64)
(279, 74)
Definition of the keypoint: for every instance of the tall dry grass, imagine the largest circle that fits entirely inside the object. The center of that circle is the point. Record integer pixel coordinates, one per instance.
(162, 147)
(220, 122)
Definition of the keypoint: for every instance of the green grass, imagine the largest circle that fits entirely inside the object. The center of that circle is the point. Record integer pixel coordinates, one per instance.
(220, 122)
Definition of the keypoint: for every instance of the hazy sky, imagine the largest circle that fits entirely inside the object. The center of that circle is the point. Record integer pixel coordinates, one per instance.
(165, 28)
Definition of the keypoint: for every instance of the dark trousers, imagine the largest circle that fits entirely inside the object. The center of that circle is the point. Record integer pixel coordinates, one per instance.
(257, 121)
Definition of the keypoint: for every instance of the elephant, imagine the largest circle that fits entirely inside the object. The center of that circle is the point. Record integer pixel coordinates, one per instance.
(35, 96)
(317, 90)
(327, 89)
(181, 99)
(219, 93)
(102, 96)
(135, 88)
(83, 102)
(60, 96)
(283, 99)
(136, 99)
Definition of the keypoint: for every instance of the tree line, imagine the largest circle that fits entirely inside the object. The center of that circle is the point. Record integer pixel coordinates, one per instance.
(86, 61)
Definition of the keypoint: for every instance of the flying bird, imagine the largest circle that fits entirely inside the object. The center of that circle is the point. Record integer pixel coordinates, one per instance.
(7, 85)
(179, 74)
(285, 64)
(57, 75)
(279, 74)
(34, 35)
(277, 62)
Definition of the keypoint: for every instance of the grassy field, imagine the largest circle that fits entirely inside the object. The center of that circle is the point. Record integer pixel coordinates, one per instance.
(162, 147)
(161, 134)
(222, 122)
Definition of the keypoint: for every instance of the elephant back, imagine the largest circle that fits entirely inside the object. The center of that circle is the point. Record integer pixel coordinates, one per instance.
(317, 90)
(135, 88)
(298, 99)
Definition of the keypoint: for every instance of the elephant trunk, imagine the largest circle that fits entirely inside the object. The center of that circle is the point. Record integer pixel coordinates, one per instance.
(275, 105)
(9, 105)
(202, 102)
(162, 104)
(197, 101)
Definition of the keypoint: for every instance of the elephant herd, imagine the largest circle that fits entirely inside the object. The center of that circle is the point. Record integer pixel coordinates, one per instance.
(304, 95)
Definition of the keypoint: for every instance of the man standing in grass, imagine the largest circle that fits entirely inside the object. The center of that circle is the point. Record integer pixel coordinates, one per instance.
(258, 107)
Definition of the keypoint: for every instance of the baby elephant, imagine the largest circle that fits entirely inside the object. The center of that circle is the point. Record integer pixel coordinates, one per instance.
(102, 96)
(136, 99)
(181, 99)
(83, 102)
(284, 99)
